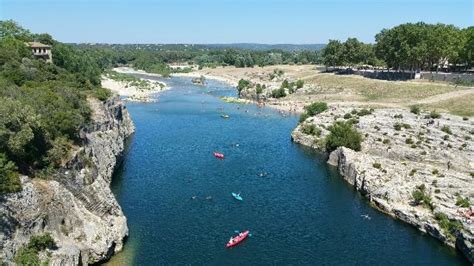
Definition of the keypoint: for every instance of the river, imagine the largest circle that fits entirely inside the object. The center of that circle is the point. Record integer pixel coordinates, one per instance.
(300, 212)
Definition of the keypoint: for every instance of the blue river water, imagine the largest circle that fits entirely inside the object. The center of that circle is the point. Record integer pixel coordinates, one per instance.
(177, 195)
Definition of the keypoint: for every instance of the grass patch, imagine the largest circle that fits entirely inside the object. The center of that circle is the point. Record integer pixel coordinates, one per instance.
(462, 202)
(379, 90)
(461, 105)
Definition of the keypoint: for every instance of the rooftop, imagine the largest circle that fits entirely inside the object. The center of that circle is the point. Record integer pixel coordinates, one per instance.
(38, 45)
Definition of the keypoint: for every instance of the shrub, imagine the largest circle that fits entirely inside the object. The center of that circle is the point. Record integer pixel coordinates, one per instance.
(377, 165)
(412, 172)
(465, 118)
(102, 94)
(386, 141)
(343, 134)
(58, 152)
(41, 242)
(398, 116)
(397, 126)
(445, 137)
(311, 130)
(437, 191)
(316, 108)
(299, 84)
(285, 84)
(353, 121)
(27, 256)
(406, 126)
(278, 93)
(363, 112)
(446, 130)
(449, 227)
(259, 89)
(420, 197)
(303, 117)
(242, 85)
(434, 115)
(435, 172)
(462, 202)
(347, 116)
(415, 109)
(409, 141)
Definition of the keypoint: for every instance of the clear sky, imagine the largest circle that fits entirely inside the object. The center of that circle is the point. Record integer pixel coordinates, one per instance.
(227, 21)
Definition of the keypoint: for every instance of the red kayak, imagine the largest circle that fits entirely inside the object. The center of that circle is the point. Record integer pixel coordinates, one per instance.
(219, 155)
(237, 239)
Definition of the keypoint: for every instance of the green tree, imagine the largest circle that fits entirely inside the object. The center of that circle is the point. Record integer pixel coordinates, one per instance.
(242, 85)
(9, 178)
(353, 51)
(9, 28)
(466, 54)
(333, 53)
(17, 126)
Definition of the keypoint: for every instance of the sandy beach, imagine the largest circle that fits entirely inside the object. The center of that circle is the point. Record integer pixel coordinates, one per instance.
(131, 92)
(232, 81)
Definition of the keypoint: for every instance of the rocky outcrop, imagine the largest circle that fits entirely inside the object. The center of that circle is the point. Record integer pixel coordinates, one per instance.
(75, 204)
(401, 153)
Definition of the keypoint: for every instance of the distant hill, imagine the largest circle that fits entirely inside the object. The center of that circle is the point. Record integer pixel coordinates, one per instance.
(262, 47)
(243, 46)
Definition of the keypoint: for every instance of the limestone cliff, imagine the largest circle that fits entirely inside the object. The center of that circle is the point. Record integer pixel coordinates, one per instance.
(75, 204)
(401, 153)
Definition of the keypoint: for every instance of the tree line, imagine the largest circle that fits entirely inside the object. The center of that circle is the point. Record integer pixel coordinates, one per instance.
(156, 57)
(409, 46)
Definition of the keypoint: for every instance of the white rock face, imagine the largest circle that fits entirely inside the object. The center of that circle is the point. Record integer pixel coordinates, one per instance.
(393, 163)
(76, 205)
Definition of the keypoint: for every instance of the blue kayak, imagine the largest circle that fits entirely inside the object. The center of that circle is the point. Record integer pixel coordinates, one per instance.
(237, 196)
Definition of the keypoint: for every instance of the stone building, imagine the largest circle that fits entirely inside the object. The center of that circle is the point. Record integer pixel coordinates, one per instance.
(42, 51)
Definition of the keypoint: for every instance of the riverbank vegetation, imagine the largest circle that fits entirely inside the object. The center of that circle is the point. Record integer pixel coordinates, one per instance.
(43, 106)
(155, 58)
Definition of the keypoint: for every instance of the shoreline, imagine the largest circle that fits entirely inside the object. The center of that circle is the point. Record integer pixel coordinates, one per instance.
(281, 106)
(132, 93)
(229, 81)
(390, 167)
